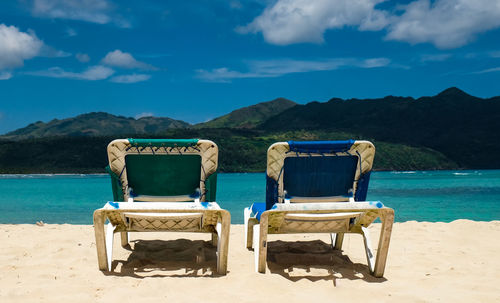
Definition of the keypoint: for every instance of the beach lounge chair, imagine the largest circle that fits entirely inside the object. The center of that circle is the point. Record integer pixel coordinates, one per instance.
(318, 187)
(162, 185)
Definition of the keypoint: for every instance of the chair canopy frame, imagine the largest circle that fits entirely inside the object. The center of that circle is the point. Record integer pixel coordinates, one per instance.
(278, 152)
(119, 149)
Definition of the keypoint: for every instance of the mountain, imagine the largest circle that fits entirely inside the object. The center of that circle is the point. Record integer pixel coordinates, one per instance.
(462, 127)
(251, 116)
(96, 124)
(448, 131)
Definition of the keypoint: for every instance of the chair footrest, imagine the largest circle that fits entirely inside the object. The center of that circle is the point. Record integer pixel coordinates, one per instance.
(164, 221)
(321, 217)
(305, 223)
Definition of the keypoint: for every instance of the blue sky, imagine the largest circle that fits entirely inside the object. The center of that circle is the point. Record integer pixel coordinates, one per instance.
(199, 59)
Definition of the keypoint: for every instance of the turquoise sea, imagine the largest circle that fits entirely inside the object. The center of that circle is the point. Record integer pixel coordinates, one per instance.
(415, 195)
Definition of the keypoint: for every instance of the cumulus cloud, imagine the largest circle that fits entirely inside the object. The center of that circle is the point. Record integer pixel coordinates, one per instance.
(133, 78)
(117, 58)
(295, 21)
(92, 73)
(82, 57)
(445, 23)
(277, 68)
(17, 46)
(96, 11)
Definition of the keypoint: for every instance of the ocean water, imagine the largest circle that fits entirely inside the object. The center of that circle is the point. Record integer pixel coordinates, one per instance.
(432, 196)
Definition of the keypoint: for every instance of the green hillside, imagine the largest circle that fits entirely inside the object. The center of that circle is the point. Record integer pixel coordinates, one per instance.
(461, 127)
(239, 151)
(251, 116)
(95, 124)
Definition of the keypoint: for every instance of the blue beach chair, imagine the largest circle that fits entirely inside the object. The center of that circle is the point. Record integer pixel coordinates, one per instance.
(318, 187)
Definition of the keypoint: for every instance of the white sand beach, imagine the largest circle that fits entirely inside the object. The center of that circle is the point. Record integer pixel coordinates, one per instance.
(428, 262)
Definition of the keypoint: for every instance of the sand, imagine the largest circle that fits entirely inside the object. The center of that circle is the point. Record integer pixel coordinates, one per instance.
(428, 262)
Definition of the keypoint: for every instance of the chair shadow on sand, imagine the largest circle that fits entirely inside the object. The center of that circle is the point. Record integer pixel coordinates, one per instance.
(314, 260)
(168, 258)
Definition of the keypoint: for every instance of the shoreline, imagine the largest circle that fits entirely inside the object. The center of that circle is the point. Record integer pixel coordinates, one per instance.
(241, 224)
(99, 174)
(427, 262)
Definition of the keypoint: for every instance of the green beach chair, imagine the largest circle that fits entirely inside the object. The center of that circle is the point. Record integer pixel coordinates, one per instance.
(162, 185)
(319, 187)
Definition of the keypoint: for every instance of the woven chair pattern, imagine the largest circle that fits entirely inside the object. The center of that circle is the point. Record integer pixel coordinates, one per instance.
(301, 226)
(151, 223)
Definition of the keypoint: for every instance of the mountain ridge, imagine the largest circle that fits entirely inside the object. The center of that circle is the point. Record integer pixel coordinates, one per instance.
(95, 124)
(452, 122)
(249, 116)
(449, 130)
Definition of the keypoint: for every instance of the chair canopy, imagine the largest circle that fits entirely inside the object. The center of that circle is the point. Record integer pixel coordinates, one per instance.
(313, 171)
(163, 168)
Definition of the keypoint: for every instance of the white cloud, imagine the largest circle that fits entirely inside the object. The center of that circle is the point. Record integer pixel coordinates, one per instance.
(145, 114)
(373, 63)
(489, 70)
(133, 78)
(277, 68)
(445, 23)
(82, 57)
(121, 59)
(5, 75)
(225, 75)
(96, 11)
(295, 21)
(92, 73)
(17, 46)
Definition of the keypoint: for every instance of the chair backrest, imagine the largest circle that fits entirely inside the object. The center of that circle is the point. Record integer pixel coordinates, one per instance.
(318, 171)
(163, 175)
(163, 169)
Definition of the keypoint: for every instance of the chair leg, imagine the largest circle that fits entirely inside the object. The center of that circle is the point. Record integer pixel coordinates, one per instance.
(124, 238)
(110, 233)
(100, 240)
(337, 240)
(256, 245)
(383, 243)
(368, 249)
(262, 243)
(223, 229)
(248, 234)
(218, 230)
